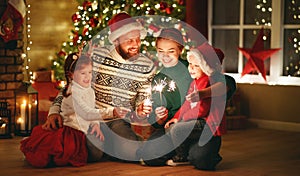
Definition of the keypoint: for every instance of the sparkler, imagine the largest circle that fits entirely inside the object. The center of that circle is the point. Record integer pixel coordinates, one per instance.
(159, 86)
(147, 101)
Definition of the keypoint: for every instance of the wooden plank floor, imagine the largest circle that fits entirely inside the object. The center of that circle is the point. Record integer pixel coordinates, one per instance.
(250, 152)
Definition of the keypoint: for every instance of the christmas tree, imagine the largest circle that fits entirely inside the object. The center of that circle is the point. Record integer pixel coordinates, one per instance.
(93, 16)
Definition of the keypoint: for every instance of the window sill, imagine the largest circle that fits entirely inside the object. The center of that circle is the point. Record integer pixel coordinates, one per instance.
(258, 79)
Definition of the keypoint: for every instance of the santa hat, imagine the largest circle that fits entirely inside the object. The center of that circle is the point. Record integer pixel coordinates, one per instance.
(171, 34)
(210, 58)
(123, 23)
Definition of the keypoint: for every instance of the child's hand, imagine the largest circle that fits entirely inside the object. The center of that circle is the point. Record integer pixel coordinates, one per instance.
(97, 131)
(121, 112)
(170, 122)
(161, 112)
(193, 97)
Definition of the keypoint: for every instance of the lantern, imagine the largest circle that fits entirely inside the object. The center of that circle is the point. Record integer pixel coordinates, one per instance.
(5, 121)
(26, 109)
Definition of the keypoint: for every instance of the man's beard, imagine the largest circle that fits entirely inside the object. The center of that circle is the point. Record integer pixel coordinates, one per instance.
(125, 55)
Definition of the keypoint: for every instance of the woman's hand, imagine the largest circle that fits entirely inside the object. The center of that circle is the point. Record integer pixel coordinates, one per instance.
(161, 114)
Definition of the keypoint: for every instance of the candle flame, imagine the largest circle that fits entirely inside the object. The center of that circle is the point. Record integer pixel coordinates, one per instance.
(20, 120)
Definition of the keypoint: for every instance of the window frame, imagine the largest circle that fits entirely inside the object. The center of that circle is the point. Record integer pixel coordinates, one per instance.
(277, 41)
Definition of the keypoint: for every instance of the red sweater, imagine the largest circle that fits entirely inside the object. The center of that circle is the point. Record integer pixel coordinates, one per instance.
(212, 113)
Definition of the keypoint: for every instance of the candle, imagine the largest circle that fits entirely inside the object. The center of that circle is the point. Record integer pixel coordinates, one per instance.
(29, 119)
(62, 84)
(23, 115)
(2, 126)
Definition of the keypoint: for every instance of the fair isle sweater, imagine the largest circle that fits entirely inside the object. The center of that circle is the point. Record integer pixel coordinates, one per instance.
(119, 82)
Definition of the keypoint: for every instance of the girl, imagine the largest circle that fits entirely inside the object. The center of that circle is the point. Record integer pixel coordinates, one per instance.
(69, 145)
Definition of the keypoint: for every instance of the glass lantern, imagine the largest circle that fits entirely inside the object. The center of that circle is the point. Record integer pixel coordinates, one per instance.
(5, 121)
(26, 109)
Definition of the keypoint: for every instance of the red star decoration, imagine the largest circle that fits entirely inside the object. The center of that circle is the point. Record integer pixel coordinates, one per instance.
(257, 55)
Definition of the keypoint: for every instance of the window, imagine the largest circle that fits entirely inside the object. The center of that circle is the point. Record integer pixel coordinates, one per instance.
(236, 23)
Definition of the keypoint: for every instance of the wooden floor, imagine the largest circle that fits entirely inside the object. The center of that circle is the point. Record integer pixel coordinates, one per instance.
(248, 152)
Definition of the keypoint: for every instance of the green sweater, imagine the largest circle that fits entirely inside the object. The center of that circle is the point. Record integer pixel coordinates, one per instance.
(171, 99)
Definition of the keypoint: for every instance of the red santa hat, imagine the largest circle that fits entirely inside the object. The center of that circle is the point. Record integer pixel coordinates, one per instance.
(123, 23)
(210, 58)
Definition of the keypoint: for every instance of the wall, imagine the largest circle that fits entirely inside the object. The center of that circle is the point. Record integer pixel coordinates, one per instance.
(272, 106)
(11, 68)
(51, 24)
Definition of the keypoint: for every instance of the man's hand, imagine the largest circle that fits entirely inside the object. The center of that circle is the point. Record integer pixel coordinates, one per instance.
(54, 121)
(143, 110)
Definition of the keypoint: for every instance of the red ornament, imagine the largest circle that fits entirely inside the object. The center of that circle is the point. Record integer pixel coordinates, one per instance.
(94, 22)
(180, 2)
(75, 18)
(75, 38)
(86, 5)
(62, 54)
(163, 5)
(257, 55)
(169, 10)
(151, 12)
(85, 29)
(139, 2)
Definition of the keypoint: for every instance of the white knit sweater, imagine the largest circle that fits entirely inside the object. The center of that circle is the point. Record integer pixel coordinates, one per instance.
(79, 110)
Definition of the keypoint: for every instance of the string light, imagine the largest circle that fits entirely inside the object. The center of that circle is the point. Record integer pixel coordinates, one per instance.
(27, 42)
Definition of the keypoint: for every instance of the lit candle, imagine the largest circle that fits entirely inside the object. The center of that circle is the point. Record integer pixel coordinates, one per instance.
(62, 84)
(29, 119)
(23, 115)
(2, 126)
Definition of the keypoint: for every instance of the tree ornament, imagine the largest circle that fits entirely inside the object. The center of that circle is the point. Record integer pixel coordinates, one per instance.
(163, 5)
(76, 18)
(93, 22)
(169, 10)
(84, 31)
(151, 12)
(75, 38)
(86, 5)
(62, 54)
(139, 2)
(180, 2)
(257, 55)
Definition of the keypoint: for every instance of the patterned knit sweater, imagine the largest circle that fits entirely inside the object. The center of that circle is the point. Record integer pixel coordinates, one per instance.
(120, 82)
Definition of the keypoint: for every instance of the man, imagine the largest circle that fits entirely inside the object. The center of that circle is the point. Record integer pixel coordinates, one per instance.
(122, 77)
